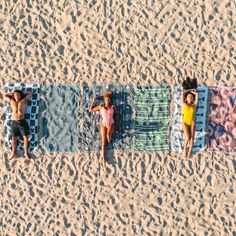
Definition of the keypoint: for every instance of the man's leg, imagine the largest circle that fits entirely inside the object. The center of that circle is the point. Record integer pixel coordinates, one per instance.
(14, 133)
(26, 146)
(187, 136)
(13, 144)
(191, 141)
(25, 131)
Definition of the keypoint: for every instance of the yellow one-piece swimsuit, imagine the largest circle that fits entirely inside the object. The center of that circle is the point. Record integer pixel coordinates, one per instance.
(188, 114)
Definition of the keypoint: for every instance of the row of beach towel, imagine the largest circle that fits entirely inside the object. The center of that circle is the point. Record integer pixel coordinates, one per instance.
(144, 113)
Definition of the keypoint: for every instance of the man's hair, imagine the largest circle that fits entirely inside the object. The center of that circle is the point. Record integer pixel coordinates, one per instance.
(22, 95)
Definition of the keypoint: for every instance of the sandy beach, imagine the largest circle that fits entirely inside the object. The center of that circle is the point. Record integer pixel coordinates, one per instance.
(64, 190)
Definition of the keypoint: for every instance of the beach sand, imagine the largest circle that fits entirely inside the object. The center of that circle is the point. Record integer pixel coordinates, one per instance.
(120, 42)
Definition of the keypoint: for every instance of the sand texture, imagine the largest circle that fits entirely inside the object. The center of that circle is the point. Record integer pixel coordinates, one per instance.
(69, 43)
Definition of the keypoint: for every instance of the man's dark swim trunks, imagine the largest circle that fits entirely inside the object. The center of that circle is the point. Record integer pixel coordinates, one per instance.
(20, 127)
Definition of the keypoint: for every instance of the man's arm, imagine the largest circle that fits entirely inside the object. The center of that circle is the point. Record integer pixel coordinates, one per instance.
(28, 95)
(7, 97)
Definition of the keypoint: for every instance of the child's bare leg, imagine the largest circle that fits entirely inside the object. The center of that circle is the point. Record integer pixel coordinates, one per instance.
(191, 141)
(187, 136)
(103, 134)
(14, 143)
(26, 146)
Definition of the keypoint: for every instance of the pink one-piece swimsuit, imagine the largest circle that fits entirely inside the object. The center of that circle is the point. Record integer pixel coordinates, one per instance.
(107, 116)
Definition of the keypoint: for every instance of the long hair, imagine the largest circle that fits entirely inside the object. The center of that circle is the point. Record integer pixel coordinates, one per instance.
(189, 83)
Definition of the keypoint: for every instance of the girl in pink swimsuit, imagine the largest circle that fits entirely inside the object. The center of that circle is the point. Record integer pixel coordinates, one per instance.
(107, 116)
(107, 112)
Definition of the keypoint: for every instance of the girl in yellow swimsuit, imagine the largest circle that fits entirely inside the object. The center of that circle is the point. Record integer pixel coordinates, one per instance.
(189, 109)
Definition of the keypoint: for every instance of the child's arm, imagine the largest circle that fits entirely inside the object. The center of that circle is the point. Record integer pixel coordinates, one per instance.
(182, 96)
(96, 108)
(194, 91)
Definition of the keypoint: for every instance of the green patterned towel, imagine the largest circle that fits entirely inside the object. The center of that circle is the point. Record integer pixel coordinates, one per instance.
(152, 118)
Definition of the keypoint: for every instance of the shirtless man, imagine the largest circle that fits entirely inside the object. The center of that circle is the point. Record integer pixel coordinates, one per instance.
(18, 102)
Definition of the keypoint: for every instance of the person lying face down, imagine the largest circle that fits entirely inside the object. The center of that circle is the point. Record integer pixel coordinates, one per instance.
(108, 114)
(18, 102)
(189, 103)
